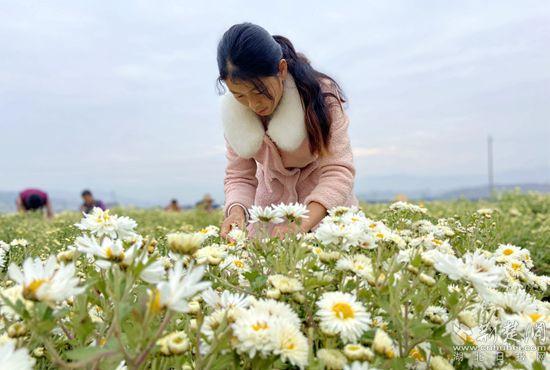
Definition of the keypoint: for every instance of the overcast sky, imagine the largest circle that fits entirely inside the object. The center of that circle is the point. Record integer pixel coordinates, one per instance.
(120, 95)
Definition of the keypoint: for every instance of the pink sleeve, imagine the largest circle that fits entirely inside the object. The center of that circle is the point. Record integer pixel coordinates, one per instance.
(240, 181)
(337, 169)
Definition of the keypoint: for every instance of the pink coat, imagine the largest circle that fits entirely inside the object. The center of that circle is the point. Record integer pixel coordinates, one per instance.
(274, 166)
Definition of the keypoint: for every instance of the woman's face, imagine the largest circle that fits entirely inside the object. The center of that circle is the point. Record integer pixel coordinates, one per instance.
(248, 95)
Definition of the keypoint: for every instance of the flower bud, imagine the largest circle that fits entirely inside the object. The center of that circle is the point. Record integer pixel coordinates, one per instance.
(16, 330)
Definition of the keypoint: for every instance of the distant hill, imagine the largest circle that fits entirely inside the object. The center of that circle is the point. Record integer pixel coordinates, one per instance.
(483, 191)
(472, 193)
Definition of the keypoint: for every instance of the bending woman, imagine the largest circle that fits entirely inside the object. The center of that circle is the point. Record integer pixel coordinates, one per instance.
(285, 130)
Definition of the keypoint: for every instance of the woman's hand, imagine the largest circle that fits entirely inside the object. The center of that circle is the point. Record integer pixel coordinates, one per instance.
(316, 213)
(235, 217)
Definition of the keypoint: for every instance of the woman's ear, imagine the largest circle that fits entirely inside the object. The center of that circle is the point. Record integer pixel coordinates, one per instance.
(283, 68)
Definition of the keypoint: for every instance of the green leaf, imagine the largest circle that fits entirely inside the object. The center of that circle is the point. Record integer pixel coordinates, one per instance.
(259, 282)
(453, 299)
(421, 330)
(86, 353)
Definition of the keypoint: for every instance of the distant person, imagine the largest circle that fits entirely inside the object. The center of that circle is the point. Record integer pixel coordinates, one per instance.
(89, 202)
(34, 200)
(207, 203)
(173, 206)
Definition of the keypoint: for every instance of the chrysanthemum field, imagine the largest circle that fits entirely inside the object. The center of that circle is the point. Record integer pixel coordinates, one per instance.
(439, 285)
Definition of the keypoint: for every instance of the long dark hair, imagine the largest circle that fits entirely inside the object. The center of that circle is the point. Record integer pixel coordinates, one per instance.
(248, 52)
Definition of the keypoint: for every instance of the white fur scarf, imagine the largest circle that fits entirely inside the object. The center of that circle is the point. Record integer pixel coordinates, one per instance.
(245, 132)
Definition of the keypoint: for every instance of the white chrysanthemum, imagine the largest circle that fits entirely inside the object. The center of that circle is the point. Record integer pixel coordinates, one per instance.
(213, 321)
(330, 233)
(153, 272)
(540, 282)
(292, 212)
(290, 344)
(397, 240)
(482, 270)
(440, 363)
(122, 365)
(46, 281)
(275, 309)
(341, 313)
(400, 206)
(185, 243)
(482, 358)
(430, 241)
(358, 365)
(461, 334)
(125, 228)
(485, 211)
(234, 263)
(237, 235)
(515, 270)
(19, 243)
(378, 227)
(513, 302)
(178, 342)
(436, 314)
(211, 254)
(356, 352)
(425, 227)
(344, 235)
(332, 358)
(174, 343)
(3, 253)
(5, 246)
(254, 332)
(181, 285)
(509, 253)
(96, 314)
(359, 264)
(405, 255)
(13, 294)
(285, 284)
(526, 356)
(107, 253)
(443, 228)
(112, 252)
(101, 223)
(226, 300)
(383, 344)
(12, 358)
(264, 215)
(67, 255)
(210, 231)
(353, 218)
(430, 256)
(368, 241)
(339, 212)
(476, 268)
(378, 231)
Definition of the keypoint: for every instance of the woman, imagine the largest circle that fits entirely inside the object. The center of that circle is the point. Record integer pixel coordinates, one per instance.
(285, 130)
(34, 200)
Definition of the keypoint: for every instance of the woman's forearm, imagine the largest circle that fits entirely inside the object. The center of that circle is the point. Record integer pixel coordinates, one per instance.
(19, 204)
(316, 213)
